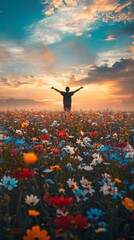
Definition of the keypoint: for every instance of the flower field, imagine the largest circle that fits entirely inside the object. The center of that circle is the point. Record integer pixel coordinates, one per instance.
(66, 175)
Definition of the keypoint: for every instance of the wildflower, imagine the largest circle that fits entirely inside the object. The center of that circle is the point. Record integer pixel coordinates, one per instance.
(36, 233)
(47, 170)
(30, 158)
(49, 181)
(22, 174)
(87, 168)
(31, 200)
(69, 150)
(59, 202)
(93, 134)
(106, 175)
(96, 159)
(9, 182)
(84, 182)
(67, 222)
(55, 167)
(109, 188)
(55, 151)
(128, 203)
(24, 125)
(117, 180)
(131, 187)
(33, 213)
(94, 213)
(100, 230)
(72, 184)
(80, 195)
(62, 134)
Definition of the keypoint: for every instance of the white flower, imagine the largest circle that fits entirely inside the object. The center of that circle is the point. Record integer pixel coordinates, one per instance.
(32, 200)
(106, 175)
(72, 184)
(69, 150)
(87, 168)
(18, 131)
(84, 182)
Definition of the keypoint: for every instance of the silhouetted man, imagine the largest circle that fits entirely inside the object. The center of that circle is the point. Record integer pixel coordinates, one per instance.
(67, 97)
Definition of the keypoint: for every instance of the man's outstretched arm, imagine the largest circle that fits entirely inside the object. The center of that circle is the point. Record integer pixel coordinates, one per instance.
(78, 89)
(56, 89)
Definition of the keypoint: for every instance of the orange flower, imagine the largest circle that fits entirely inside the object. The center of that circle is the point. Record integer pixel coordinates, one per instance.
(33, 213)
(117, 180)
(24, 124)
(30, 158)
(55, 167)
(36, 233)
(128, 203)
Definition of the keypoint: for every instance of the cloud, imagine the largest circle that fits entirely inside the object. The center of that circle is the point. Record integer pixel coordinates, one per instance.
(112, 56)
(120, 75)
(110, 38)
(41, 56)
(71, 17)
(50, 11)
(20, 81)
(5, 55)
(22, 103)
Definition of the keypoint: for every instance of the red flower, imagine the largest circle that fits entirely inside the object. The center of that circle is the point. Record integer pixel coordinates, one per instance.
(93, 134)
(62, 134)
(39, 147)
(55, 151)
(121, 145)
(22, 174)
(59, 202)
(13, 151)
(70, 221)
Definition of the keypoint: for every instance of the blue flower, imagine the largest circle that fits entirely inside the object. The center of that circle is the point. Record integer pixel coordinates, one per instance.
(9, 182)
(80, 194)
(132, 170)
(48, 180)
(114, 156)
(19, 142)
(8, 140)
(102, 224)
(131, 187)
(103, 149)
(94, 213)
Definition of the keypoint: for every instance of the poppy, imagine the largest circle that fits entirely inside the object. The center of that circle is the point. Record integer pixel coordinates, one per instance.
(36, 233)
(30, 158)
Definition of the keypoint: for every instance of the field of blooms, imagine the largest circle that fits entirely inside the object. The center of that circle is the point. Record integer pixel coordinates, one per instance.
(66, 175)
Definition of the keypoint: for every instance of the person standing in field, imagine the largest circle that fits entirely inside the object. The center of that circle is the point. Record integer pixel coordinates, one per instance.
(67, 97)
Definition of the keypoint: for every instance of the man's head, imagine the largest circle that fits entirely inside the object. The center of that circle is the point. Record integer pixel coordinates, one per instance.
(67, 89)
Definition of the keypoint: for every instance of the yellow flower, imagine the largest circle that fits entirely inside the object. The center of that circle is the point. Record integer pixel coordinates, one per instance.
(128, 203)
(33, 213)
(30, 158)
(115, 135)
(117, 180)
(24, 124)
(55, 167)
(36, 233)
(34, 139)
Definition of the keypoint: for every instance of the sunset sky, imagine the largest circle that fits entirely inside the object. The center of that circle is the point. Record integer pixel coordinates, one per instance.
(73, 43)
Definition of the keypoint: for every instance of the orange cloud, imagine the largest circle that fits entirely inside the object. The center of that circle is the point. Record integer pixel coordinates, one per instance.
(72, 3)
(42, 56)
(49, 11)
(110, 38)
(57, 3)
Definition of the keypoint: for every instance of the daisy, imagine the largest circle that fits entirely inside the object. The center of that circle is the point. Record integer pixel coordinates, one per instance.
(31, 200)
